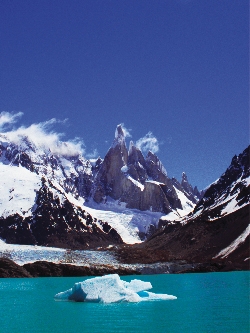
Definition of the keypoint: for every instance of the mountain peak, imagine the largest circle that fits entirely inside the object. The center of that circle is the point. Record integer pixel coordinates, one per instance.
(131, 147)
(152, 159)
(184, 178)
(119, 138)
(119, 134)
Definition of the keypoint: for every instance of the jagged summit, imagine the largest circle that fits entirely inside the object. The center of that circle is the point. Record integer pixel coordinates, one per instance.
(124, 177)
(193, 193)
(218, 228)
(230, 192)
(123, 174)
(131, 146)
(184, 176)
(140, 182)
(48, 193)
(135, 155)
(119, 136)
(155, 165)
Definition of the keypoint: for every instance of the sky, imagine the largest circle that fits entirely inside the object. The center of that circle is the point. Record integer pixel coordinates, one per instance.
(173, 72)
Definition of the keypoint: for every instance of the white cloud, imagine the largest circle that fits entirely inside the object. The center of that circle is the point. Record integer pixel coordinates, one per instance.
(148, 142)
(7, 119)
(40, 136)
(126, 131)
(92, 155)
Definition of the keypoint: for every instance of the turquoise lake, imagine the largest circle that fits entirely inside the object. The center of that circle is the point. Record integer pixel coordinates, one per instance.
(206, 302)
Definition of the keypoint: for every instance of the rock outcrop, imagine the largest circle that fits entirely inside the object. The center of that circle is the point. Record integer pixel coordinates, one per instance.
(141, 183)
(9, 268)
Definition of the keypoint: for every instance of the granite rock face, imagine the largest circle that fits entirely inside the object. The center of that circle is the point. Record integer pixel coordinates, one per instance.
(109, 176)
(142, 183)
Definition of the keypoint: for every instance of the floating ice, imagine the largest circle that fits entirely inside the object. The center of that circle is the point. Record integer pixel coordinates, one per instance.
(111, 289)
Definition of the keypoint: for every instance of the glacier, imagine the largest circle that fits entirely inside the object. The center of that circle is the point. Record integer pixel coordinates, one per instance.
(111, 289)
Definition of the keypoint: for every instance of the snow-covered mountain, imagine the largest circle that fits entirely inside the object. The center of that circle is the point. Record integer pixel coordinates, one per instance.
(218, 228)
(42, 195)
(53, 196)
(141, 183)
(57, 197)
(229, 193)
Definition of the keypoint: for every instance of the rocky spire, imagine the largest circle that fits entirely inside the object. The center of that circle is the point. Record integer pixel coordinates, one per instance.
(135, 155)
(185, 184)
(141, 183)
(109, 177)
(193, 193)
(136, 164)
(155, 168)
(119, 136)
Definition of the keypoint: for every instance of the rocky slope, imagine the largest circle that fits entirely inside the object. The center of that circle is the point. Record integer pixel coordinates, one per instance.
(216, 231)
(229, 193)
(49, 269)
(55, 221)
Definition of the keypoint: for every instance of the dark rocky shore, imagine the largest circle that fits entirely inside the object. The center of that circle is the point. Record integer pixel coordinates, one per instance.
(9, 268)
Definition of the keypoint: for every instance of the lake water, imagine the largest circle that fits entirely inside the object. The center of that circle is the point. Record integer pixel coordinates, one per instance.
(206, 302)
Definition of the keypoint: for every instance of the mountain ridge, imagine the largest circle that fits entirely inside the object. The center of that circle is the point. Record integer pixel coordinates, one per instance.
(123, 176)
(216, 231)
(67, 201)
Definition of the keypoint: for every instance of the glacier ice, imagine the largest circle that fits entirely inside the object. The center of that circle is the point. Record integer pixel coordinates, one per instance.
(110, 289)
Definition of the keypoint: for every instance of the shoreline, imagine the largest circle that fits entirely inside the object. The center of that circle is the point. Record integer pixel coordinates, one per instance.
(10, 269)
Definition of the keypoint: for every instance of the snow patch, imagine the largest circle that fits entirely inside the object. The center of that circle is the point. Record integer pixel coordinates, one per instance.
(233, 246)
(124, 169)
(138, 184)
(187, 205)
(18, 188)
(154, 182)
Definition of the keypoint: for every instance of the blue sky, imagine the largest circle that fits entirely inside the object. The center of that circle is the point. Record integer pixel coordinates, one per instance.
(175, 68)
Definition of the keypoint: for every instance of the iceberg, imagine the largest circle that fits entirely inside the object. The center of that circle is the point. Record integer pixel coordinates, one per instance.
(110, 289)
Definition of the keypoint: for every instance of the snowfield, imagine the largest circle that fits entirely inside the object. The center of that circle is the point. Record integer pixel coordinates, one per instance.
(127, 222)
(18, 188)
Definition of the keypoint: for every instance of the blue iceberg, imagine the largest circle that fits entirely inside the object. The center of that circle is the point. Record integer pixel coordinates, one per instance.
(111, 289)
